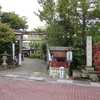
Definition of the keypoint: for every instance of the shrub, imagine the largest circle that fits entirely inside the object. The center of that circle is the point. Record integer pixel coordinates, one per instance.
(96, 57)
(34, 56)
(79, 59)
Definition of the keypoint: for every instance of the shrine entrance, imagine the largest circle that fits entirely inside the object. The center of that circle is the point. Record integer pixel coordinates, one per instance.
(21, 39)
(29, 67)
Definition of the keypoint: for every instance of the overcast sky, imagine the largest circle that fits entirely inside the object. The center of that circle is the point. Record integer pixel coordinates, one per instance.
(23, 8)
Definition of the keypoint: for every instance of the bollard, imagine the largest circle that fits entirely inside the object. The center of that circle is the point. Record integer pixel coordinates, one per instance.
(61, 72)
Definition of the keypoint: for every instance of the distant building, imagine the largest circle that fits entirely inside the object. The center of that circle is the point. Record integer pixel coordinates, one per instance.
(26, 50)
(25, 45)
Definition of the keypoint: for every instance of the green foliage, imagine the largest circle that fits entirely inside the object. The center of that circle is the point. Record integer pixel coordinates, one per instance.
(55, 35)
(14, 20)
(1, 60)
(17, 48)
(79, 58)
(35, 56)
(69, 22)
(7, 36)
(48, 10)
(0, 11)
(43, 48)
(34, 44)
(38, 29)
(96, 38)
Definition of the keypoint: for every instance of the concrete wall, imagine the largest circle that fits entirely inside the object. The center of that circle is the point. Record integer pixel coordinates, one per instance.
(55, 72)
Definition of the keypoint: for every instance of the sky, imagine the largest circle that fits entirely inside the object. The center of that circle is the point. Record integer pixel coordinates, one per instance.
(23, 8)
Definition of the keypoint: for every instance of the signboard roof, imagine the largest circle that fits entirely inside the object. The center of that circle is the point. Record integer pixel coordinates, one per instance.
(60, 48)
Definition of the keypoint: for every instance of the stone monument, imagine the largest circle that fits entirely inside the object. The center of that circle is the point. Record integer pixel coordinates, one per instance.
(89, 53)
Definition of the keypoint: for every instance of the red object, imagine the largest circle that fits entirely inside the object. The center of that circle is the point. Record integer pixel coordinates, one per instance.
(96, 57)
(17, 89)
(59, 64)
(59, 54)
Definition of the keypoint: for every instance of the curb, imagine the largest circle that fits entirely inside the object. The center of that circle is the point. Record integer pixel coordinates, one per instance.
(51, 80)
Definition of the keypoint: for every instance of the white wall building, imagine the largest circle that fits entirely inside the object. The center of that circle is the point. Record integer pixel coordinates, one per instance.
(25, 45)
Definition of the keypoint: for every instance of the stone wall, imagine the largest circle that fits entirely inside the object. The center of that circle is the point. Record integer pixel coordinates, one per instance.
(55, 73)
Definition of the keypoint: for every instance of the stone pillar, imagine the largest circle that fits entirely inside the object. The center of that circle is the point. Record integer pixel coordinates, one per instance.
(20, 48)
(89, 53)
(30, 52)
(47, 47)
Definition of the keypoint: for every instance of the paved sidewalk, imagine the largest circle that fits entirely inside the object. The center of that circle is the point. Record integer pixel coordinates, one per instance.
(38, 89)
(31, 82)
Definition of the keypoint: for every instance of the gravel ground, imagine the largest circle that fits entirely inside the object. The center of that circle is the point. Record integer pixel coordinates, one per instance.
(29, 67)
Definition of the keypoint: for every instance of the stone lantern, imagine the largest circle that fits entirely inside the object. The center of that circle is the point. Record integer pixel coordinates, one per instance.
(4, 64)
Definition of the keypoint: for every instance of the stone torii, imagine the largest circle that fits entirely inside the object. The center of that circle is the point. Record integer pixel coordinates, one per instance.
(21, 33)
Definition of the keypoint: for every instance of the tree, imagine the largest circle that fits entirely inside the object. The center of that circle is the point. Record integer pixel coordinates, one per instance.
(38, 29)
(48, 10)
(70, 21)
(54, 32)
(34, 44)
(58, 22)
(0, 11)
(7, 36)
(14, 20)
(37, 44)
(88, 19)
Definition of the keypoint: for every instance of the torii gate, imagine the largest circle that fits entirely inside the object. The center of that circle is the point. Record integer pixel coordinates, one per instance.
(21, 33)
